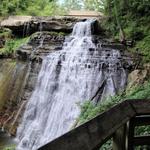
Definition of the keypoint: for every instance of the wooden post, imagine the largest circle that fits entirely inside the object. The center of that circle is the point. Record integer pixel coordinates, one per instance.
(130, 138)
(119, 138)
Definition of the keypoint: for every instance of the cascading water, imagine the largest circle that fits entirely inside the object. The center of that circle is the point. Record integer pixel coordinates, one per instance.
(26, 29)
(77, 73)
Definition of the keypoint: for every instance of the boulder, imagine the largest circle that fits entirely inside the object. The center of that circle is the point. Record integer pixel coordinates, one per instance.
(139, 76)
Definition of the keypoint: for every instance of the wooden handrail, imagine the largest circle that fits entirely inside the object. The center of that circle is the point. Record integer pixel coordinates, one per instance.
(138, 140)
(94, 133)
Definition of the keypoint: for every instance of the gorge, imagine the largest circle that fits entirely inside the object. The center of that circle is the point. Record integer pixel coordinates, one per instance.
(67, 77)
(64, 65)
(86, 67)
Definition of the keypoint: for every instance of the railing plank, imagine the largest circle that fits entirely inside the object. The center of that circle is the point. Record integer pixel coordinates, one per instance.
(142, 107)
(141, 140)
(91, 135)
(142, 120)
(94, 133)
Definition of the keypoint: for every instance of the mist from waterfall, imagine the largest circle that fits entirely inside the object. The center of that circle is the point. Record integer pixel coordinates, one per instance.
(77, 73)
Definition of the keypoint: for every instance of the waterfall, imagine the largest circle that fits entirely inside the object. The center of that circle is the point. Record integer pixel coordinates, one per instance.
(77, 73)
(26, 29)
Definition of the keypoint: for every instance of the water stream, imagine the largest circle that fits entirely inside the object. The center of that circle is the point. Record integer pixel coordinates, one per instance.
(77, 73)
(6, 140)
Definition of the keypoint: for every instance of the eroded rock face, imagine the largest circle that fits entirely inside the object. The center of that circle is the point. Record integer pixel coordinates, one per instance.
(40, 45)
(139, 76)
(26, 25)
(18, 78)
(16, 21)
(12, 78)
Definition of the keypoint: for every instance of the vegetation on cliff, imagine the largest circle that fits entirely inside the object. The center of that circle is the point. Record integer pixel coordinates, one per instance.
(10, 148)
(128, 20)
(11, 45)
(90, 110)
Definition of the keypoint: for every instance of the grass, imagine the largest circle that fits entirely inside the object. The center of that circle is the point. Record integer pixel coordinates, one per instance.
(13, 147)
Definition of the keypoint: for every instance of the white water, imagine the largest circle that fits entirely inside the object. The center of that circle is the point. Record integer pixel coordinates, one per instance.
(67, 77)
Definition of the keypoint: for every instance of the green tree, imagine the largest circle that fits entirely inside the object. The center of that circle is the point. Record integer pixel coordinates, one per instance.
(30, 7)
(73, 4)
(96, 5)
(11, 7)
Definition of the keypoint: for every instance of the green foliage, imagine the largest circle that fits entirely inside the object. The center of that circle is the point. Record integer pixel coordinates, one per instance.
(142, 130)
(107, 145)
(13, 147)
(5, 33)
(132, 17)
(28, 7)
(46, 8)
(72, 4)
(96, 5)
(89, 110)
(11, 7)
(144, 48)
(12, 44)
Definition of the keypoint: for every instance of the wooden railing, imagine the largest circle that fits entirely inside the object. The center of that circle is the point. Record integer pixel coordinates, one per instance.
(141, 120)
(117, 123)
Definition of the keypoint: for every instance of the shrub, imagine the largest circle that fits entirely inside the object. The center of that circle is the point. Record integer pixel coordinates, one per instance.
(12, 44)
(89, 110)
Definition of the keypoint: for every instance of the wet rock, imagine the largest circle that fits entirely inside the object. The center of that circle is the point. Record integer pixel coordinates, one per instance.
(114, 46)
(40, 45)
(12, 77)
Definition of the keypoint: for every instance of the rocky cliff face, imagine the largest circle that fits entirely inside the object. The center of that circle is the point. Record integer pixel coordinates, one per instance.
(26, 25)
(12, 80)
(18, 78)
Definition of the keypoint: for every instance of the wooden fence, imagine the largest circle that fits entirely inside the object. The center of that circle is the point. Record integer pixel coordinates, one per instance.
(118, 123)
